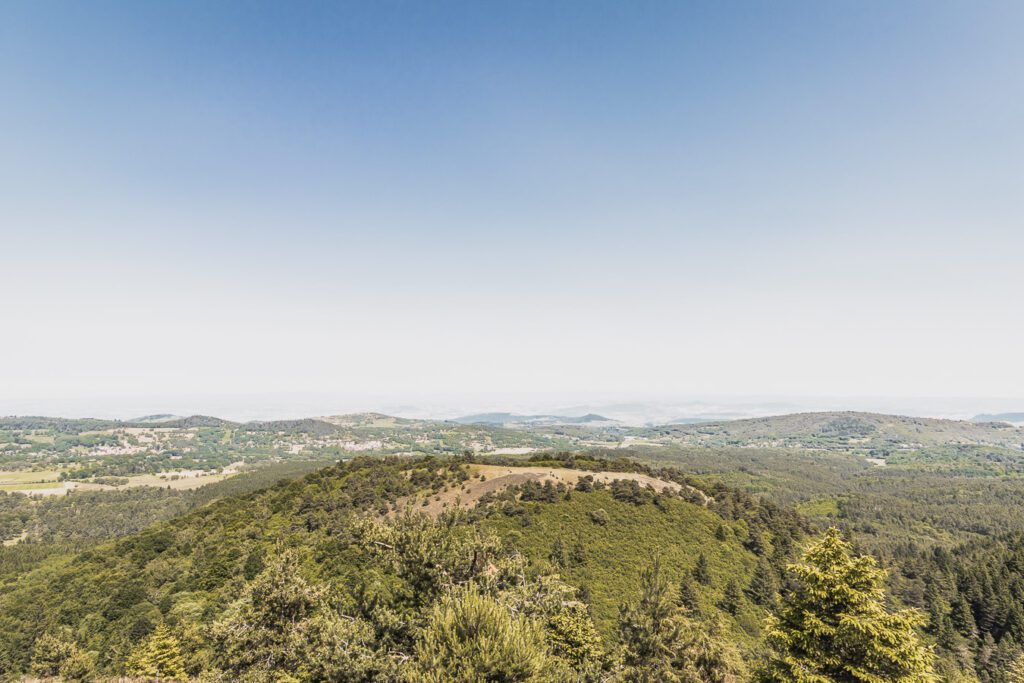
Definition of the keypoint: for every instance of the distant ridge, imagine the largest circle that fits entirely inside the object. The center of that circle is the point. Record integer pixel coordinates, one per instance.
(162, 417)
(843, 430)
(511, 419)
(1013, 418)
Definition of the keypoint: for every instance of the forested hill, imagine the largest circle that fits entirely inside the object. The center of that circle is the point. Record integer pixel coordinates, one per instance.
(364, 586)
(842, 430)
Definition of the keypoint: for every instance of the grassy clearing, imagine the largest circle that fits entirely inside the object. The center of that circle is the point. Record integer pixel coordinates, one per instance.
(32, 486)
(28, 476)
(821, 508)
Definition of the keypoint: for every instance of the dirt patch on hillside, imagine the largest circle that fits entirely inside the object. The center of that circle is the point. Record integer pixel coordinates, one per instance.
(500, 477)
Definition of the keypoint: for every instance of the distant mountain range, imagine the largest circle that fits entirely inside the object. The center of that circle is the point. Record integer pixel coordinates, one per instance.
(162, 417)
(513, 420)
(1012, 418)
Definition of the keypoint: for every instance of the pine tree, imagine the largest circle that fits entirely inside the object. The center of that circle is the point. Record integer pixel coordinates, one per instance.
(158, 656)
(652, 630)
(574, 637)
(558, 555)
(764, 586)
(834, 626)
(701, 571)
(688, 597)
(963, 618)
(732, 598)
(1016, 672)
(662, 645)
(578, 553)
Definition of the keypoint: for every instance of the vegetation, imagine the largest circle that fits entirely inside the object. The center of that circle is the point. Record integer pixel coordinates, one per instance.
(834, 625)
(666, 561)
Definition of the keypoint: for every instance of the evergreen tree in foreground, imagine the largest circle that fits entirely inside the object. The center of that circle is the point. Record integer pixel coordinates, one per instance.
(834, 628)
(159, 657)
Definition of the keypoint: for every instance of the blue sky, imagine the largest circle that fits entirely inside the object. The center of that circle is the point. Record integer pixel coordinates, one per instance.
(786, 198)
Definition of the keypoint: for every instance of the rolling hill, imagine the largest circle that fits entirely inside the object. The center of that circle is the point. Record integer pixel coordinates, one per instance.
(841, 431)
(348, 533)
(513, 420)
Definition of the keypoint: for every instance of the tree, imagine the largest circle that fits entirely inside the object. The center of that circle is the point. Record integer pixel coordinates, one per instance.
(158, 656)
(732, 598)
(282, 624)
(688, 597)
(57, 655)
(558, 555)
(578, 552)
(701, 571)
(472, 637)
(963, 618)
(574, 637)
(764, 586)
(834, 625)
(662, 645)
(652, 630)
(1016, 672)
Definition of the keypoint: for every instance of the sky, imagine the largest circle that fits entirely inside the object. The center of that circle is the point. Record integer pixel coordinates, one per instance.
(572, 199)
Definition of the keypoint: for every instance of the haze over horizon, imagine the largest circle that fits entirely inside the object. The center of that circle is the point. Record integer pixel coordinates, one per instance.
(628, 409)
(587, 200)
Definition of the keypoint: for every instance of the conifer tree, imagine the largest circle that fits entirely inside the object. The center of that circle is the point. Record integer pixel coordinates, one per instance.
(963, 618)
(834, 626)
(574, 637)
(558, 555)
(732, 598)
(663, 645)
(158, 657)
(652, 630)
(764, 587)
(688, 597)
(701, 571)
(1016, 672)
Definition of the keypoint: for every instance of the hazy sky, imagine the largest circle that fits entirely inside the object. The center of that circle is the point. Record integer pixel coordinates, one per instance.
(771, 198)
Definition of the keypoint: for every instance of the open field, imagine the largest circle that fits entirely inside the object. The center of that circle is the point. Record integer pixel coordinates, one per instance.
(181, 483)
(47, 483)
(28, 476)
(28, 480)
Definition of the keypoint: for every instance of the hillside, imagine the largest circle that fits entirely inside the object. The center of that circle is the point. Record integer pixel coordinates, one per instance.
(341, 531)
(840, 431)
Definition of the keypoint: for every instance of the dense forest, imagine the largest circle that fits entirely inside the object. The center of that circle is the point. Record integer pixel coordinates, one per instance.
(658, 562)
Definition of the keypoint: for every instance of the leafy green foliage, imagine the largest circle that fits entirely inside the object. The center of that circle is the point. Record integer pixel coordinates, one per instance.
(471, 637)
(158, 657)
(283, 625)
